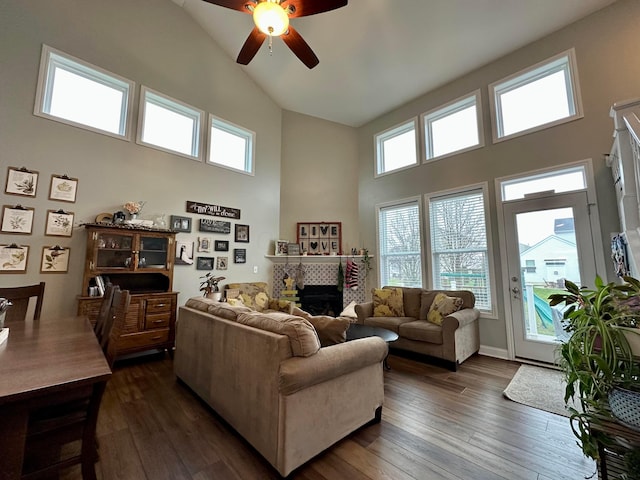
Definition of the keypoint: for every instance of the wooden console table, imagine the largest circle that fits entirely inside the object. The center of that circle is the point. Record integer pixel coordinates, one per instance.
(611, 465)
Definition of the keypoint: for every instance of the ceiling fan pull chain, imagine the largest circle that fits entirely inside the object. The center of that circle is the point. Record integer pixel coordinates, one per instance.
(270, 45)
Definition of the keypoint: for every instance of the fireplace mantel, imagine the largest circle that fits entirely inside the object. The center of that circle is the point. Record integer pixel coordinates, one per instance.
(312, 258)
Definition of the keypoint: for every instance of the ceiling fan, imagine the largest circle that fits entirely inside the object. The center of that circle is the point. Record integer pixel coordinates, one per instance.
(272, 19)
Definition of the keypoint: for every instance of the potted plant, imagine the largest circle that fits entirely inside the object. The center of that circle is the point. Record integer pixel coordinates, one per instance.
(597, 358)
(210, 286)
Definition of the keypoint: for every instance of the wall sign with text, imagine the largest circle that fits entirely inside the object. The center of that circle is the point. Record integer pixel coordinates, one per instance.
(214, 210)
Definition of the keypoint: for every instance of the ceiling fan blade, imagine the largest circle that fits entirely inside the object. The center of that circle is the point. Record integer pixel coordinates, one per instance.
(303, 8)
(301, 48)
(233, 4)
(251, 46)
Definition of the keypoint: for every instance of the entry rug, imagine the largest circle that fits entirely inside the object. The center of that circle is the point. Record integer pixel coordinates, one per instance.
(538, 387)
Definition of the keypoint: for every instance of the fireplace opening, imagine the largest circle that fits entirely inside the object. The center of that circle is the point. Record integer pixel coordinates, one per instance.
(321, 300)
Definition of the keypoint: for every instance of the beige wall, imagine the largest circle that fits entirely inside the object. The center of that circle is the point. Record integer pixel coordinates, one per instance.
(609, 71)
(155, 43)
(319, 176)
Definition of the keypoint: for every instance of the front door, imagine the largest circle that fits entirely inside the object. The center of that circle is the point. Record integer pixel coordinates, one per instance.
(548, 241)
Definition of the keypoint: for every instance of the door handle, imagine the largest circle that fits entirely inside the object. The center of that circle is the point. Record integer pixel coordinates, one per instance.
(515, 290)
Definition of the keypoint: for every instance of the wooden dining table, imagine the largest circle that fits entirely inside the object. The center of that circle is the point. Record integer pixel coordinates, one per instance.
(42, 362)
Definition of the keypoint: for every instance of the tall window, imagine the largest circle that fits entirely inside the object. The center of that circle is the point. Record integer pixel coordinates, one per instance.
(459, 251)
(168, 124)
(544, 95)
(396, 148)
(231, 146)
(455, 127)
(77, 93)
(399, 244)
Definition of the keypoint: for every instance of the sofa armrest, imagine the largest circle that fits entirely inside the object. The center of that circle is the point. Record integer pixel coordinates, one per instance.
(364, 310)
(463, 317)
(298, 373)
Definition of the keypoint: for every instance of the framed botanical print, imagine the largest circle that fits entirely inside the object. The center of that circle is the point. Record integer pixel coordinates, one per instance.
(320, 238)
(55, 259)
(13, 258)
(63, 188)
(21, 181)
(17, 219)
(59, 223)
(242, 233)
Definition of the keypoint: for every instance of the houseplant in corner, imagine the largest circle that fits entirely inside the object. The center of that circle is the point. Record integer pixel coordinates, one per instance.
(597, 357)
(210, 286)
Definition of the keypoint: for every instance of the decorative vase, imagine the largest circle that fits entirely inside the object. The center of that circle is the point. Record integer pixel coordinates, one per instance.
(215, 296)
(134, 216)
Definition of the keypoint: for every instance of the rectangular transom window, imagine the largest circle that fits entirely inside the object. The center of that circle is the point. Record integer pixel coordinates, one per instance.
(77, 93)
(458, 244)
(453, 128)
(396, 148)
(399, 244)
(231, 146)
(168, 124)
(556, 181)
(541, 96)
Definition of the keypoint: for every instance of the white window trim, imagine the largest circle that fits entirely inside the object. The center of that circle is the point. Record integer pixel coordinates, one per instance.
(391, 132)
(445, 110)
(42, 80)
(250, 136)
(187, 110)
(398, 203)
(493, 313)
(575, 92)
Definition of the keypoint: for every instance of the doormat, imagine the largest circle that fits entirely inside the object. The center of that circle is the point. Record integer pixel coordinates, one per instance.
(538, 387)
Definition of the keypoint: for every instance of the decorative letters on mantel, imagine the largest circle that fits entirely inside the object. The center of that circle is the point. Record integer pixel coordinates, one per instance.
(214, 210)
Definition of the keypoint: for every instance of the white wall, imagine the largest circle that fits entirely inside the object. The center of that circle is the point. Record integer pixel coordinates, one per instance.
(154, 43)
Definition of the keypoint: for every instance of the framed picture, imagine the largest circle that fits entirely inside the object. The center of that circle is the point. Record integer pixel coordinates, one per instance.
(239, 255)
(204, 244)
(13, 258)
(281, 248)
(320, 238)
(221, 246)
(59, 223)
(55, 259)
(242, 233)
(184, 253)
(221, 263)
(293, 249)
(180, 224)
(214, 226)
(63, 188)
(21, 181)
(17, 219)
(204, 263)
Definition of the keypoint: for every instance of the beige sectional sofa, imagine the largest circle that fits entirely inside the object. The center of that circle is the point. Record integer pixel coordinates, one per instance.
(455, 340)
(268, 377)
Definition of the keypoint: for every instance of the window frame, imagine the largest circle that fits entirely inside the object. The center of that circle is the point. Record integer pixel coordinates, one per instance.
(399, 204)
(250, 144)
(177, 106)
(388, 134)
(530, 75)
(483, 189)
(52, 57)
(443, 111)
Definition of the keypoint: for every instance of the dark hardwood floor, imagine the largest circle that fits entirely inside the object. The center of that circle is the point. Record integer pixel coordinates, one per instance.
(436, 424)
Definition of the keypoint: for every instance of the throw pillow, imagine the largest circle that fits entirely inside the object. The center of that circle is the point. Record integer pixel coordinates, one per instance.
(349, 311)
(235, 302)
(330, 330)
(387, 302)
(280, 305)
(442, 306)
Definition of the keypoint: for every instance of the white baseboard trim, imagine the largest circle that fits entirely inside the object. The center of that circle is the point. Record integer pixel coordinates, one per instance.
(494, 352)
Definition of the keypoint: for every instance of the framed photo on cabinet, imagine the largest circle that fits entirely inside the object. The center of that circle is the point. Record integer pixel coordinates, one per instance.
(17, 219)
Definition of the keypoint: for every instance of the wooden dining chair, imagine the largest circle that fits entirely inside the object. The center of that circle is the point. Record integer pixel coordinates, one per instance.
(19, 297)
(54, 426)
(105, 311)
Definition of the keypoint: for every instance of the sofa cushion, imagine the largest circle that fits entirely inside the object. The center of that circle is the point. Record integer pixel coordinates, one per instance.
(442, 306)
(220, 309)
(411, 301)
(331, 330)
(350, 311)
(422, 331)
(468, 299)
(387, 302)
(390, 323)
(302, 336)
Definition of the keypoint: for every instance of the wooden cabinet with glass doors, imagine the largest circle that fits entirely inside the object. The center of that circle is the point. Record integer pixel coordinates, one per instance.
(139, 260)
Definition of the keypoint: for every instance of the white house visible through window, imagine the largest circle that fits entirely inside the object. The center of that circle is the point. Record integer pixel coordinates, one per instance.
(396, 148)
(231, 146)
(458, 244)
(544, 95)
(168, 124)
(399, 244)
(456, 127)
(77, 93)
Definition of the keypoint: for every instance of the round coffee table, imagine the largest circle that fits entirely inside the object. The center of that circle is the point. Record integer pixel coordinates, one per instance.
(357, 330)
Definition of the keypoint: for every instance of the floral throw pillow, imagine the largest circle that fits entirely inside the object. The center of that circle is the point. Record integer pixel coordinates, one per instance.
(387, 302)
(442, 306)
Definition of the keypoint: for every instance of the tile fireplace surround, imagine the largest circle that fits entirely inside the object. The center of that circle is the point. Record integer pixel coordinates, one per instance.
(319, 274)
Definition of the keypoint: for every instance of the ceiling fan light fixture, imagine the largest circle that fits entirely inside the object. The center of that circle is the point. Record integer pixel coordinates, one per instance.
(270, 18)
